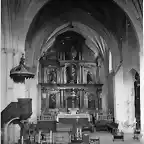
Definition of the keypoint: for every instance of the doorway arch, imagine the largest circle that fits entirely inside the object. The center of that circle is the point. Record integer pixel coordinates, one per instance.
(135, 94)
(13, 121)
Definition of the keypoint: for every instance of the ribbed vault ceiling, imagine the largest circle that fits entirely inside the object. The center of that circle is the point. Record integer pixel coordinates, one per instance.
(104, 11)
(84, 14)
(95, 42)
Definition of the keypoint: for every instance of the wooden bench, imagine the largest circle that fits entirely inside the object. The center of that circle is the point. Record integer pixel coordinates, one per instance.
(137, 134)
(117, 135)
(95, 140)
(112, 126)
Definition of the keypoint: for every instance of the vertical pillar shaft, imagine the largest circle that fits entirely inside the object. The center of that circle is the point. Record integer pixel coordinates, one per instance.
(97, 75)
(7, 43)
(58, 100)
(104, 97)
(39, 100)
(86, 101)
(61, 70)
(47, 100)
(120, 101)
(4, 80)
(65, 75)
(82, 74)
(51, 136)
(66, 103)
(9, 66)
(141, 94)
(61, 94)
(80, 77)
(142, 101)
(61, 76)
(39, 137)
(96, 100)
(5, 134)
(81, 98)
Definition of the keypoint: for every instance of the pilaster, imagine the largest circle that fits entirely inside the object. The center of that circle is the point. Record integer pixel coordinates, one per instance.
(142, 97)
(39, 100)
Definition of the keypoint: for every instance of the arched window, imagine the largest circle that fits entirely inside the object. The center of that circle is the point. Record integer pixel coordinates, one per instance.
(110, 61)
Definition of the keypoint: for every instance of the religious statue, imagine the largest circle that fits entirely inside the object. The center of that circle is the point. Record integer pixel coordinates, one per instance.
(52, 76)
(89, 78)
(52, 101)
(73, 53)
(71, 74)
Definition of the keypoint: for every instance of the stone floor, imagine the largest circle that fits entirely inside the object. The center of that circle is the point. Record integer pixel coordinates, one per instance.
(106, 138)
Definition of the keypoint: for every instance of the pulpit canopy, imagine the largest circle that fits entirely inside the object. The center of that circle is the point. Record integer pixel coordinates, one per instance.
(21, 72)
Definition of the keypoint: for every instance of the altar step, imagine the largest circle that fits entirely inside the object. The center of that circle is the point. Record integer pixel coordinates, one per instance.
(58, 138)
(60, 127)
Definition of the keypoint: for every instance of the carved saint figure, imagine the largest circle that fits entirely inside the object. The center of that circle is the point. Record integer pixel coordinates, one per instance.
(52, 101)
(73, 52)
(89, 78)
(71, 74)
(52, 76)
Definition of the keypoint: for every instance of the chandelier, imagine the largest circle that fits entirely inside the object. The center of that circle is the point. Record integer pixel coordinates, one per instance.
(21, 72)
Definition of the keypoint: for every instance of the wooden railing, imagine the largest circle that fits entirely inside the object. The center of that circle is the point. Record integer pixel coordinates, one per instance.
(46, 118)
(104, 117)
(57, 138)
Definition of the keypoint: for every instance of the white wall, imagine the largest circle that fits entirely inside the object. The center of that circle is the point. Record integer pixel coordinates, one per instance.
(123, 81)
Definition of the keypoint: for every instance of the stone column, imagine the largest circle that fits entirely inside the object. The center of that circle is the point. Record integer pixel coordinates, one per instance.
(39, 100)
(65, 101)
(9, 80)
(142, 115)
(61, 95)
(4, 80)
(97, 75)
(47, 100)
(81, 75)
(58, 100)
(7, 44)
(85, 100)
(142, 96)
(81, 98)
(61, 75)
(104, 96)
(120, 99)
(65, 78)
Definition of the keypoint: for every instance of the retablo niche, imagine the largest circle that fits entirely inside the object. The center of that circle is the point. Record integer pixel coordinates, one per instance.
(21, 72)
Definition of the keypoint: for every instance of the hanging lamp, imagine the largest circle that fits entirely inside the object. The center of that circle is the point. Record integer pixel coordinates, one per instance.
(21, 72)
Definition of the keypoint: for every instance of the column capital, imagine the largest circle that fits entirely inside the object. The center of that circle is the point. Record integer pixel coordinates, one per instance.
(10, 50)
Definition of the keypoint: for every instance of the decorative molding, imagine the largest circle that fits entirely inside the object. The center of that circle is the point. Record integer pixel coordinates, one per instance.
(10, 50)
(7, 50)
